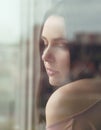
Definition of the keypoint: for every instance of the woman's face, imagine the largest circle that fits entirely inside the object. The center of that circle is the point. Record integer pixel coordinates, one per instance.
(55, 56)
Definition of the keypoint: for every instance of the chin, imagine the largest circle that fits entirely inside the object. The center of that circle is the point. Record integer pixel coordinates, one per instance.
(54, 83)
(58, 83)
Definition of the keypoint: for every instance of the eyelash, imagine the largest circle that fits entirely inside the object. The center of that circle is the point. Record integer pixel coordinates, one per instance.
(44, 45)
(56, 44)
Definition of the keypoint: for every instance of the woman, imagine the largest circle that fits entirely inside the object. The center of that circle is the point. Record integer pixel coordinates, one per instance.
(70, 69)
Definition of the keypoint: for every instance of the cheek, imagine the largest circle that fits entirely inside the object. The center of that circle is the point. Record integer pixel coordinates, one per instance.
(64, 60)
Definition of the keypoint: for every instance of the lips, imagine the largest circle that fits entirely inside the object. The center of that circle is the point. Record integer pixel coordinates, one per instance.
(51, 72)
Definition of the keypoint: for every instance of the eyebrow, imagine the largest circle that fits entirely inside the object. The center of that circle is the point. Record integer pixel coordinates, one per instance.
(60, 39)
(55, 39)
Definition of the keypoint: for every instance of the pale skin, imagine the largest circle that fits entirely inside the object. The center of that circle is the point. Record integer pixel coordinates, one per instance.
(70, 98)
(55, 57)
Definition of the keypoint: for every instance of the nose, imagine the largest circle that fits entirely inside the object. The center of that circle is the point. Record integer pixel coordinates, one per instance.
(48, 55)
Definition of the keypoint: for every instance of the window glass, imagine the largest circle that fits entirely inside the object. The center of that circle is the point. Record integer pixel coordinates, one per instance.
(9, 61)
(82, 28)
(22, 96)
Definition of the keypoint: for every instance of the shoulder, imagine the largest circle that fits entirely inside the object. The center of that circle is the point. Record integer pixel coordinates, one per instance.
(71, 99)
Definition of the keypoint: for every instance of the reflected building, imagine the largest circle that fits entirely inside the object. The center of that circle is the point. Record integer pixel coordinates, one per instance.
(88, 38)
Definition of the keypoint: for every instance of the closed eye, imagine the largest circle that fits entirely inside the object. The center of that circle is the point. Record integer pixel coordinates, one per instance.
(60, 44)
(45, 42)
(43, 45)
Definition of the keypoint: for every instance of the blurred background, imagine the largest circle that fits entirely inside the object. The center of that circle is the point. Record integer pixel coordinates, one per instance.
(20, 22)
(17, 20)
(10, 34)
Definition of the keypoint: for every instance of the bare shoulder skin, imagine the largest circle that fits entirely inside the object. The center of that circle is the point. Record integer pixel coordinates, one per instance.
(71, 99)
